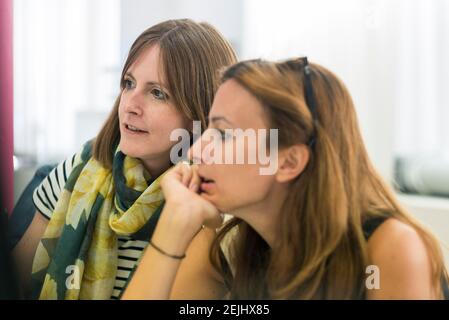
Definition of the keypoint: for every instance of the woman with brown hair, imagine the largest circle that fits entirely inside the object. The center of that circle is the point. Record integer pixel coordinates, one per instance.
(312, 229)
(97, 210)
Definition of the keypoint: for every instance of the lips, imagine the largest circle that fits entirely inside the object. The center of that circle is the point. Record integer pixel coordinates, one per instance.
(133, 129)
(207, 184)
(204, 178)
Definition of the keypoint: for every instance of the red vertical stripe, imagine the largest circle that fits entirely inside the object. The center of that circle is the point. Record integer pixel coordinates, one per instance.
(6, 103)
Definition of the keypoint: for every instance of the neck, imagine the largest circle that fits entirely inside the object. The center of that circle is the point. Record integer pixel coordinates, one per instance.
(264, 216)
(156, 167)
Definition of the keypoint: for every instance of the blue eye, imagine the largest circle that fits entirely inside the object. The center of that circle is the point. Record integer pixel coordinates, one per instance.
(159, 94)
(128, 84)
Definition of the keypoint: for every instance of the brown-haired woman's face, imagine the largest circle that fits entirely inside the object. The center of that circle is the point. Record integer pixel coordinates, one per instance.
(146, 113)
(232, 185)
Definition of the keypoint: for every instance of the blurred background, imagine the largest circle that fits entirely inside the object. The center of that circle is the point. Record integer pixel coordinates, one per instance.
(392, 55)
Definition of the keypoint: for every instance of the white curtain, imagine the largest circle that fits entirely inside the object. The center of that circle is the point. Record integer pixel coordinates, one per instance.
(422, 75)
(66, 66)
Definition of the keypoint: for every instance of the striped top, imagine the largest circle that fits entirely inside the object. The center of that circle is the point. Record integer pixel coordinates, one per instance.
(46, 196)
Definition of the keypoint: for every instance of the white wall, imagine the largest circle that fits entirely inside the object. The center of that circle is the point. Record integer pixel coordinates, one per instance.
(433, 213)
(137, 15)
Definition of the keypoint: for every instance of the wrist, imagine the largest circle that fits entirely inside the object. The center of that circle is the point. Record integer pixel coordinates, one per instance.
(174, 232)
(163, 252)
(183, 218)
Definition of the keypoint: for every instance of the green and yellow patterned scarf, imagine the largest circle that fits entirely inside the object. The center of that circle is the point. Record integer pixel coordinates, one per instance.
(77, 256)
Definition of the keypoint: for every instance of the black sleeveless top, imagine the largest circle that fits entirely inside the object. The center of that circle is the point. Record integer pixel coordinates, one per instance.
(370, 225)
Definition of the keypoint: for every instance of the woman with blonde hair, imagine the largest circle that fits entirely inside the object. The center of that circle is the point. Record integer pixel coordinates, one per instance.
(97, 210)
(323, 226)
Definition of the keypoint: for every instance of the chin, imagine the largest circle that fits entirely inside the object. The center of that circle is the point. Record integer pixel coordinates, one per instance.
(131, 151)
(220, 205)
(212, 199)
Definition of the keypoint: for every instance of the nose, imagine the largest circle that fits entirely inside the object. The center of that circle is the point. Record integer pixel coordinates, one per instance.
(133, 104)
(196, 153)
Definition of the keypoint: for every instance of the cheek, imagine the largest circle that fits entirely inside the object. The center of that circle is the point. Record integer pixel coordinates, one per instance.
(120, 110)
(164, 122)
(241, 185)
(122, 104)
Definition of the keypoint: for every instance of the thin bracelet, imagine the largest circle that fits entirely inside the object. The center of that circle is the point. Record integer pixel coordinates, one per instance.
(165, 253)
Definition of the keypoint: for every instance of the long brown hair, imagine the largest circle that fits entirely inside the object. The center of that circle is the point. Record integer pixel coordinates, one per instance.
(191, 56)
(322, 251)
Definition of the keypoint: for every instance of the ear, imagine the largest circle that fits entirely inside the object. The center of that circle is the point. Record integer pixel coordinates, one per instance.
(292, 161)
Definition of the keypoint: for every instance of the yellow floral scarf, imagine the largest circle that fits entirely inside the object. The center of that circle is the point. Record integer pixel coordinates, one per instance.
(77, 256)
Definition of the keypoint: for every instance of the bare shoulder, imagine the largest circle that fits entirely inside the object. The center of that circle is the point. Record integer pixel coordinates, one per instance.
(403, 260)
(394, 237)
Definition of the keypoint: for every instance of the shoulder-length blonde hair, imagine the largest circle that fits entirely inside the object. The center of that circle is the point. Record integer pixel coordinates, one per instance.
(322, 251)
(191, 56)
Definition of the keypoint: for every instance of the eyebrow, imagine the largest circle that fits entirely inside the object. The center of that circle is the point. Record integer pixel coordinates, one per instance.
(148, 83)
(220, 118)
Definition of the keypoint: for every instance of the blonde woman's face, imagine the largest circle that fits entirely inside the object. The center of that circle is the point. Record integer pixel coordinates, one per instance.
(232, 186)
(147, 114)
